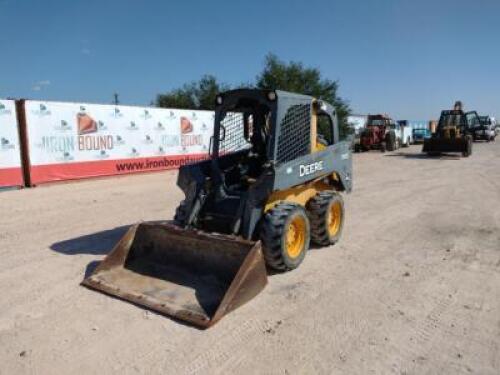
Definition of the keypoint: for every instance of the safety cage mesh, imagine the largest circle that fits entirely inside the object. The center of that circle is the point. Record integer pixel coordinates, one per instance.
(294, 133)
(231, 136)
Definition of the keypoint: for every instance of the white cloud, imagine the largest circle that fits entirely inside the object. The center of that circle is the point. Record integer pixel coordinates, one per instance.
(40, 84)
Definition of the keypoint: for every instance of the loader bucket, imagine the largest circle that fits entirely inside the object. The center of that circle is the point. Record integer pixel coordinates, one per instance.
(190, 275)
(438, 145)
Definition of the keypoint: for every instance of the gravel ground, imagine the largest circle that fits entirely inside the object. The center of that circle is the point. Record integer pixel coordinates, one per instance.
(413, 287)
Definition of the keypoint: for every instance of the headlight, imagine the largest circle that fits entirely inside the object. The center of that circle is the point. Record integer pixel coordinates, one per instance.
(271, 95)
(218, 99)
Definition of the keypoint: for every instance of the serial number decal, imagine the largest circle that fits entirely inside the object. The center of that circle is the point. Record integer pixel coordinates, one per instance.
(308, 169)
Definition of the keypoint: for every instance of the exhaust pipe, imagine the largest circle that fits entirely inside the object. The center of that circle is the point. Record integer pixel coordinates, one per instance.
(187, 274)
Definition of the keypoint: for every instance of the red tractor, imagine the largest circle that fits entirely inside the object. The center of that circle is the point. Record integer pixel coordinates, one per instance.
(379, 134)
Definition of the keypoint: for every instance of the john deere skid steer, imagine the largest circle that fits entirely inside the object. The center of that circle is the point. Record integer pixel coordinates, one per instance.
(270, 187)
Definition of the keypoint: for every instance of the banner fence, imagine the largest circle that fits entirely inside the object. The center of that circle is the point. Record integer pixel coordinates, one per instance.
(73, 140)
(10, 148)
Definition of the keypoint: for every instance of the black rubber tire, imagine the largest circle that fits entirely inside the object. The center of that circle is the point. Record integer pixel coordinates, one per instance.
(390, 141)
(468, 147)
(318, 208)
(180, 214)
(273, 236)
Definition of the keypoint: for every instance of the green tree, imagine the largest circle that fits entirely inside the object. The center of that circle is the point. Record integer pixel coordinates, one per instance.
(294, 77)
(195, 95)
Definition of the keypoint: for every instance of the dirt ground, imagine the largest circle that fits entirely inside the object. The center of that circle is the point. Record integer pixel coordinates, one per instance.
(413, 287)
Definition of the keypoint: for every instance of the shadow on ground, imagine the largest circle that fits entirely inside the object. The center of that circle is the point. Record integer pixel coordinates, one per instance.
(99, 243)
(425, 156)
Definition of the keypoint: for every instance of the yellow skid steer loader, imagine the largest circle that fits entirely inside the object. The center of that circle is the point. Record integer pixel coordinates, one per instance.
(271, 185)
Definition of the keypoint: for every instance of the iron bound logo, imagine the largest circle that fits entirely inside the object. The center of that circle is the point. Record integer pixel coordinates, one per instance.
(102, 155)
(85, 123)
(116, 113)
(42, 110)
(134, 152)
(5, 144)
(66, 156)
(146, 115)
(133, 126)
(4, 110)
(63, 126)
(119, 140)
(87, 139)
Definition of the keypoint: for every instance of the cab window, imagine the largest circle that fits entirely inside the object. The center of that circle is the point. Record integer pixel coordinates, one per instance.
(325, 126)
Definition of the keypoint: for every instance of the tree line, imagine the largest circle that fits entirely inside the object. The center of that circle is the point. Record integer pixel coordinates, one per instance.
(276, 75)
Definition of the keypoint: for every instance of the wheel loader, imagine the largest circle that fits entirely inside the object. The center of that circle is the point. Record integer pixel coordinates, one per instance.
(453, 133)
(271, 186)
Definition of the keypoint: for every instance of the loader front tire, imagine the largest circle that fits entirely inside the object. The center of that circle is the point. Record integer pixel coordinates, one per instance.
(326, 214)
(180, 214)
(285, 236)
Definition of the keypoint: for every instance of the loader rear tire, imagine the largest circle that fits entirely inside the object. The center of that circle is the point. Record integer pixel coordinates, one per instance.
(285, 236)
(326, 214)
(467, 147)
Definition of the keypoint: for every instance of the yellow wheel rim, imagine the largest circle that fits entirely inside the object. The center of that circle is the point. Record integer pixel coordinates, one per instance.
(334, 218)
(296, 237)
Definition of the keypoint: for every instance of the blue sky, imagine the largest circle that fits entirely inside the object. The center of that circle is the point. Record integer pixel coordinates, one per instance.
(405, 57)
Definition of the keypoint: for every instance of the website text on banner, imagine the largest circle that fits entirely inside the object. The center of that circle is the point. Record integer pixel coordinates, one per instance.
(10, 154)
(71, 140)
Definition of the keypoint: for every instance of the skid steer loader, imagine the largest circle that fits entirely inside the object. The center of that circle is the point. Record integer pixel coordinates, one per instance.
(270, 186)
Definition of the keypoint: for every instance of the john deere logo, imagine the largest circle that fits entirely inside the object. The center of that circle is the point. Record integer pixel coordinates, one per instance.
(3, 110)
(5, 144)
(307, 169)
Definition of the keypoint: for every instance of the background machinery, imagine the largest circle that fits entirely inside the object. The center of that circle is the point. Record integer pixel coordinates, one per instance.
(453, 133)
(378, 135)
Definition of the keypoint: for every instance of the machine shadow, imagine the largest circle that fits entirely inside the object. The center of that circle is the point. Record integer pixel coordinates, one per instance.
(99, 243)
(423, 156)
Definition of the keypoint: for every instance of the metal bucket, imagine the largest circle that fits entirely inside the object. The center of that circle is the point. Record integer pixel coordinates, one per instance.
(190, 275)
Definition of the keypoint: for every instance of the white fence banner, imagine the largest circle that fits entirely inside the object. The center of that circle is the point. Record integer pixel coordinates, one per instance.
(72, 140)
(10, 154)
